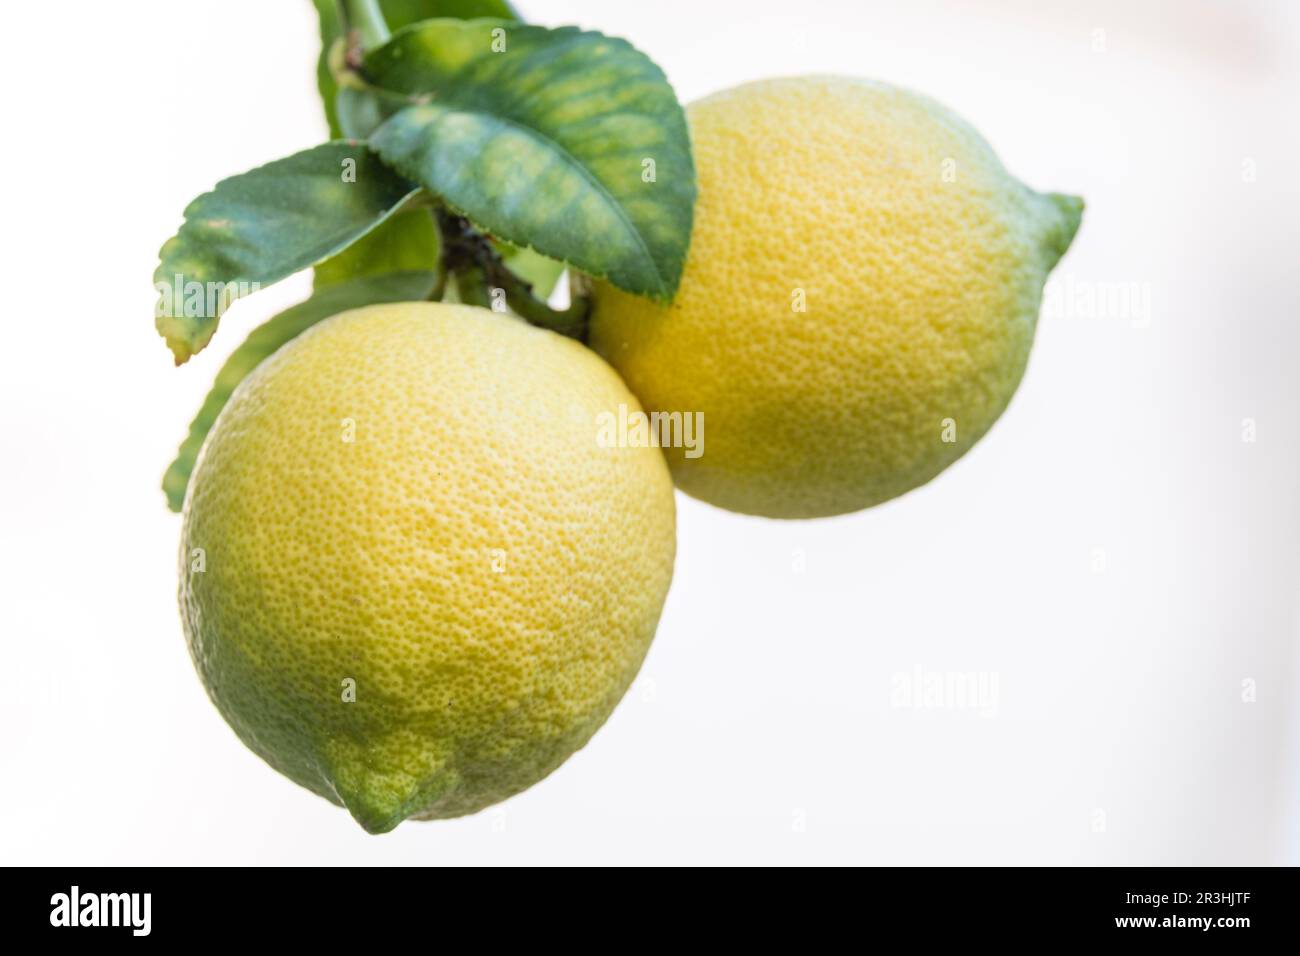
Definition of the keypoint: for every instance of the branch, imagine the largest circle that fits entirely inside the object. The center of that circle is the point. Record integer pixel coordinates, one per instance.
(479, 268)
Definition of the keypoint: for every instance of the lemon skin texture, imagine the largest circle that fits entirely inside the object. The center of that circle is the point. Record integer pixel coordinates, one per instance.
(858, 302)
(422, 584)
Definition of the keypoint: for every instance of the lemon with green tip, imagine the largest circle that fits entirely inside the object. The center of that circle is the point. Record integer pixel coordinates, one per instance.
(858, 302)
(412, 579)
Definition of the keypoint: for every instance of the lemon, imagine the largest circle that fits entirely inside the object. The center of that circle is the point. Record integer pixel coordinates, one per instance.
(412, 579)
(858, 302)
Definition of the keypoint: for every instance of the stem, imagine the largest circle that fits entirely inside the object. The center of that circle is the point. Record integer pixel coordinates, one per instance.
(519, 294)
(439, 285)
(364, 25)
(472, 288)
(479, 268)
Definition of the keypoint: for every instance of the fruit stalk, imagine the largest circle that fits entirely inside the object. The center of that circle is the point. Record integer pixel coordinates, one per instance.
(364, 25)
(478, 267)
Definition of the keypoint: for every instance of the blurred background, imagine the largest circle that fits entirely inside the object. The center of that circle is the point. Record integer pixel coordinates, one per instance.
(1112, 573)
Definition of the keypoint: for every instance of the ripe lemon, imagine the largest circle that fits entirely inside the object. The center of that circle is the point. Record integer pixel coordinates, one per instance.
(858, 301)
(412, 580)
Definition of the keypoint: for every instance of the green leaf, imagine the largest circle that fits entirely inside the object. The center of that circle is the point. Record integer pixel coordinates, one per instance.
(363, 110)
(266, 338)
(397, 13)
(258, 227)
(408, 242)
(544, 138)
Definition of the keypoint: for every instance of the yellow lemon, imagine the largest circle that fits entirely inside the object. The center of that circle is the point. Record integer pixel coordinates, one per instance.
(413, 580)
(858, 301)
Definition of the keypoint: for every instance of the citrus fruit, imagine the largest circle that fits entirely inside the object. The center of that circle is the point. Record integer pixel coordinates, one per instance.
(412, 580)
(858, 302)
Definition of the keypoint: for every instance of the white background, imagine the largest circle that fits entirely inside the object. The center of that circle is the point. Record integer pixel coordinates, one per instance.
(1113, 551)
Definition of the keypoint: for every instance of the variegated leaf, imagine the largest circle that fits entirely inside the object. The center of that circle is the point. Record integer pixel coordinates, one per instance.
(566, 141)
(258, 227)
